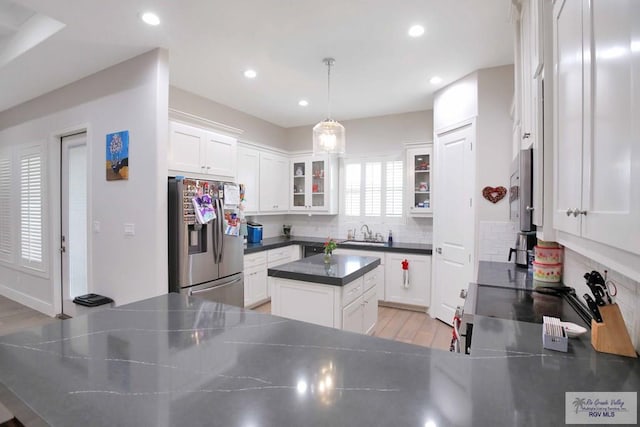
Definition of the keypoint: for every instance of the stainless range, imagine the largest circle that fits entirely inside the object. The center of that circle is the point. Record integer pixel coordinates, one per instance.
(517, 299)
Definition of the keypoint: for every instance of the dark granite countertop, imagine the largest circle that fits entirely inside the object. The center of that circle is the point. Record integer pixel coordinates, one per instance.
(281, 241)
(506, 274)
(178, 360)
(341, 270)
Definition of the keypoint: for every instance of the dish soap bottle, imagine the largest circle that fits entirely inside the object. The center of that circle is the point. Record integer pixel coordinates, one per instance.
(390, 239)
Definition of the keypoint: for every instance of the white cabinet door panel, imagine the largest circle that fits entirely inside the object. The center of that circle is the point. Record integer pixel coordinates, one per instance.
(248, 174)
(370, 311)
(185, 144)
(294, 300)
(568, 121)
(352, 316)
(220, 155)
(611, 176)
(418, 290)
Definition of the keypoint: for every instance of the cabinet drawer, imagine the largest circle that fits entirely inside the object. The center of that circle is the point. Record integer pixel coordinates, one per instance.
(371, 279)
(278, 256)
(352, 291)
(252, 260)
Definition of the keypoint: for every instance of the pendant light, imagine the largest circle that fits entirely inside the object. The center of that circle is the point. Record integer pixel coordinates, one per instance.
(328, 135)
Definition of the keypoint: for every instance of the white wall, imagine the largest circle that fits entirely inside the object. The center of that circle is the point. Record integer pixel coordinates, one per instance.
(372, 135)
(255, 130)
(456, 103)
(494, 125)
(130, 96)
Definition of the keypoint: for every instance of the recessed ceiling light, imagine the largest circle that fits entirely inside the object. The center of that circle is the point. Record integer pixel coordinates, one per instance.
(250, 74)
(435, 80)
(416, 31)
(303, 103)
(150, 18)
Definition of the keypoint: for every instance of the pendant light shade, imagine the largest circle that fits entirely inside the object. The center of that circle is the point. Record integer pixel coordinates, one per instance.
(329, 135)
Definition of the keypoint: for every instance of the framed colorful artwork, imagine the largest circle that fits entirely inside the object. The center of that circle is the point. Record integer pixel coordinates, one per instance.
(118, 156)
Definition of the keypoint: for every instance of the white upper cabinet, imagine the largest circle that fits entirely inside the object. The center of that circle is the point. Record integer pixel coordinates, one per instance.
(199, 151)
(249, 176)
(274, 179)
(598, 131)
(419, 163)
(313, 184)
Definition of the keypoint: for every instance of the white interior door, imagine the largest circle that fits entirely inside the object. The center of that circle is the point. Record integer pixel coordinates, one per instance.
(454, 220)
(73, 248)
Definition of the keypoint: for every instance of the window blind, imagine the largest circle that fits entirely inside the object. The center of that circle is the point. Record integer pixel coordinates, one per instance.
(5, 210)
(352, 189)
(31, 227)
(393, 186)
(372, 188)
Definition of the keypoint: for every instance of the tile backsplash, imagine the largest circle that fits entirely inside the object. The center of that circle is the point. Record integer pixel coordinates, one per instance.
(495, 239)
(411, 230)
(628, 297)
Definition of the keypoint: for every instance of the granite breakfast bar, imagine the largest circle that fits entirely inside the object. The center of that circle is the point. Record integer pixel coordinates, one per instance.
(340, 293)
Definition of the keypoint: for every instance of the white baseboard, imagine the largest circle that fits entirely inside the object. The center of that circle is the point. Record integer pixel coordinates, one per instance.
(31, 302)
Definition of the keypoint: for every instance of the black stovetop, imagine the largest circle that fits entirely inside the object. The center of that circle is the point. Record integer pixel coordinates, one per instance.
(506, 291)
(525, 305)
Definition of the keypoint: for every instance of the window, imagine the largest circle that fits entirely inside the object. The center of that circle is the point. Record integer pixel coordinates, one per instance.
(352, 190)
(5, 209)
(373, 188)
(394, 188)
(31, 201)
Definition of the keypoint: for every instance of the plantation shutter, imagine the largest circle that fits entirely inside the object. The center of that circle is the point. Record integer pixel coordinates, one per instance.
(394, 178)
(372, 189)
(31, 221)
(5, 210)
(352, 189)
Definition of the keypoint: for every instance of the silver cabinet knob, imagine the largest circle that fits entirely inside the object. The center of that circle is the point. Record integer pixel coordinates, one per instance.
(526, 135)
(463, 293)
(569, 212)
(581, 212)
(576, 212)
(530, 208)
(208, 167)
(439, 251)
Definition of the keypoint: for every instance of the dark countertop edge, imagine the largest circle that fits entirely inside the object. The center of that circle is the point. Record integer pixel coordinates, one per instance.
(323, 280)
(280, 242)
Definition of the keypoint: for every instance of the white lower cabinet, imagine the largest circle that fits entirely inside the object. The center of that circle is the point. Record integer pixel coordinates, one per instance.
(417, 289)
(353, 316)
(379, 270)
(255, 278)
(370, 311)
(255, 286)
(353, 307)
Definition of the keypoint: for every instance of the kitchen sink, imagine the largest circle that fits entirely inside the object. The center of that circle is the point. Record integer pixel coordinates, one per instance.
(363, 243)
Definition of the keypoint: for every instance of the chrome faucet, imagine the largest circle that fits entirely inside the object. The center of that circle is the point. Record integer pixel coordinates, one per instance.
(368, 235)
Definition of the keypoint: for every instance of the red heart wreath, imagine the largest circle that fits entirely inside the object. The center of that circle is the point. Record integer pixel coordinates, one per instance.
(494, 194)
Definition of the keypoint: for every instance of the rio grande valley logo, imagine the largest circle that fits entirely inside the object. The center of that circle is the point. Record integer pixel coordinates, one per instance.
(601, 408)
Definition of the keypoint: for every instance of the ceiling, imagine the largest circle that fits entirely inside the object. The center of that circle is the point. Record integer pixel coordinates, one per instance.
(379, 69)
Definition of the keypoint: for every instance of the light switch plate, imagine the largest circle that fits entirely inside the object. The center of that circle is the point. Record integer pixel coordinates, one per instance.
(129, 229)
(96, 226)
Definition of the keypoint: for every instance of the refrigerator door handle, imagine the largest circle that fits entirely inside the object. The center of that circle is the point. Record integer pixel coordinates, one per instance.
(221, 237)
(214, 240)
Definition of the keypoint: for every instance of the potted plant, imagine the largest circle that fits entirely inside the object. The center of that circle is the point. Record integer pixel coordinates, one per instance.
(329, 247)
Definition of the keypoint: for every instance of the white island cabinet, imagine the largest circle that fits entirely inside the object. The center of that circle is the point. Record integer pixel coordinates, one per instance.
(347, 300)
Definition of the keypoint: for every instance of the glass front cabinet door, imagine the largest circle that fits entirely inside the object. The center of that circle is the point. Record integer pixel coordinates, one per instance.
(419, 161)
(312, 184)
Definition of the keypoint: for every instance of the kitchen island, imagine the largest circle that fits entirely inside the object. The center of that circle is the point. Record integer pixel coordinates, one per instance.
(340, 293)
(179, 360)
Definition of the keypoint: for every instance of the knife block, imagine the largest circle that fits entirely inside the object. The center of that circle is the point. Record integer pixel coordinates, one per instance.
(611, 336)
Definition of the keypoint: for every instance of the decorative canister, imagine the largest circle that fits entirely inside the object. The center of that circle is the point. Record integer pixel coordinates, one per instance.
(548, 255)
(550, 273)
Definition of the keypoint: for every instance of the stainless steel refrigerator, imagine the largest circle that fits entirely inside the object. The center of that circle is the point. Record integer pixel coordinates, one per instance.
(204, 261)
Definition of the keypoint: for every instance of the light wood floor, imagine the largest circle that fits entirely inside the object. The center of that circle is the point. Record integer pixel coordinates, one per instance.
(406, 326)
(14, 316)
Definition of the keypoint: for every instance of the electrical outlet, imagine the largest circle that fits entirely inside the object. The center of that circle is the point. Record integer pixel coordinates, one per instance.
(96, 226)
(129, 229)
